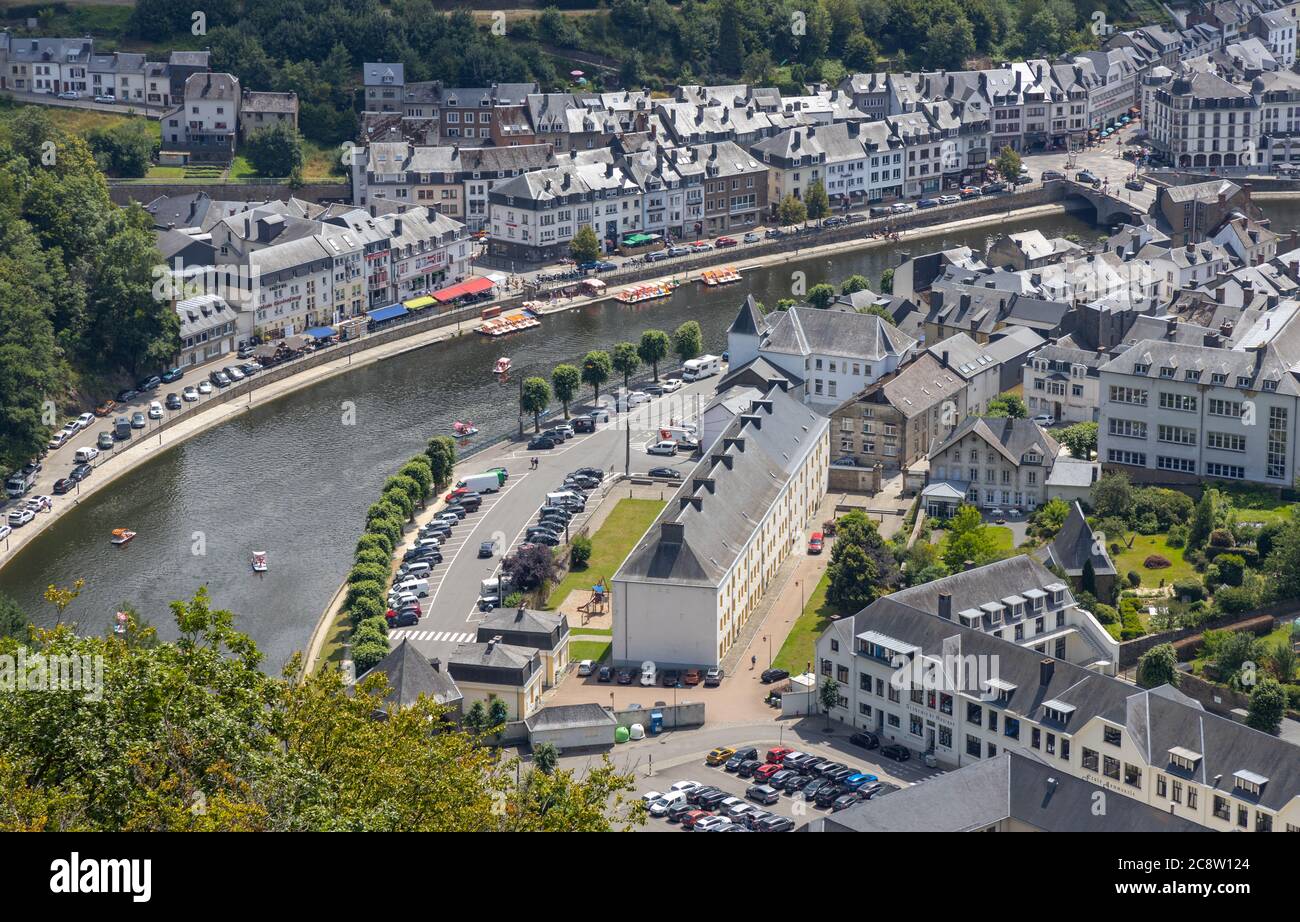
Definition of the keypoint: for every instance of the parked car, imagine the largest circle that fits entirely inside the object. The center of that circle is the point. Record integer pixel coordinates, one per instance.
(205, 387)
(763, 793)
(1087, 176)
(713, 677)
(896, 752)
(155, 410)
(541, 443)
(63, 485)
(835, 221)
(740, 756)
(666, 473)
(585, 667)
(20, 517)
(1045, 419)
(671, 677)
(137, 420)
(747, 768)
(151, 383)
(405, 618)
(815, 543)
(752, 237)
(604, 674)
(866, 739)
(1136, 184)
(774, 823)
(776, 755)
(1049, 175)
(724, 242)
(843, 802)
(773, 675)
(719, 755)
(219, 378)
(625, 677)
(105, 441)
(691, 677)
(928, 203)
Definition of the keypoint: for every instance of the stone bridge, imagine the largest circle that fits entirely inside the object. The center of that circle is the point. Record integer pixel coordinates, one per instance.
(1110, 207)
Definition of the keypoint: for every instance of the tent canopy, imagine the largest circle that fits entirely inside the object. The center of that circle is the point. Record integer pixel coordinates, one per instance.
(472, 286)
(321, 332)
(387, 313)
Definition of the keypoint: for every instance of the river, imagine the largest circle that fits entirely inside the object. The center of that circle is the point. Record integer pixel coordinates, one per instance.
(295, 476)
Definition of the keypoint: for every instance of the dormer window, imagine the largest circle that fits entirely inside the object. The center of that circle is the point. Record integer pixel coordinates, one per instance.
(1166, 371)
(1270, 385)
(1217, 378)
(1248, 783)
(1057, 711)
(1184, 759)
(1140, 369)
(1243, 381)
(1193, 375)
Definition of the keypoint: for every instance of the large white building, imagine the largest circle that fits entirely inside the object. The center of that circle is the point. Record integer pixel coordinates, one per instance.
(686, 591)
(909, 668)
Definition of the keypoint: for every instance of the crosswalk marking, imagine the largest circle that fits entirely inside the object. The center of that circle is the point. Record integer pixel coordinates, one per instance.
(432, 636)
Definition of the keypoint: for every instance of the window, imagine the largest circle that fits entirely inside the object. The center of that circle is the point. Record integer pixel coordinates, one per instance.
(1183, 402)
(1090, 759)
(1178, 435)
(1128, 428)
(1227, 471)
(1128, 395)
(1225, 441)
(1110, 767)
(1118, 456)
(1111, 735)
(1183, 465)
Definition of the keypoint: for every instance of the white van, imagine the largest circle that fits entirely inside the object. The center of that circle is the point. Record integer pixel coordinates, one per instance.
(566, 498)
(418, 570)
(482, 483)
(419, 586)
(706, 366)
(626, 400)
(85, 455)
(665, 803)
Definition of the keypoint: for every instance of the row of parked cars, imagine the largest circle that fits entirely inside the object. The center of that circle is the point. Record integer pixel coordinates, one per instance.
(704, 808)
(784, 770)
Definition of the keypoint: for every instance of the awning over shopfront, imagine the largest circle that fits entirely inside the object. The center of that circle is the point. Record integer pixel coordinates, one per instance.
(391, 312)
(472, 286)
(419, 304)
(321, 332)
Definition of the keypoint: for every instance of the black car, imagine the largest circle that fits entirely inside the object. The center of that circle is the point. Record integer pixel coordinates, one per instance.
(774, 823)
(827, 795)
(796, 783)
(605, 674)
(555, 524)
(219, 378)
(878, 211)
(129, 394)
(667, 473)
(991, 188)
(64, 484)
(820, 768)
(80, 472)
(868, 791)
(541, 443)
(748, 767)
(554, 512)
(487, 549)
(896, 752)
(584, 424)
(555, 435)
(840, 775)
(535, 530)
(173, 401)
(711, 799)
(815, 787)
(802, 762)
(405, 618)
(468, 501)
(678, 810)
(625, 677)
(773, 675)
(778, 779)
(741, 757)
(457, 511)
(866, 739)
(545, 538)
(423, 554)
(694, 794)
(149, 384)
(835, 221)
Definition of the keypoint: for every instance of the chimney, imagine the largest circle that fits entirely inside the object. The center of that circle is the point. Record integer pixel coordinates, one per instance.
(725, 460)
(945, 605)
(673, 533)
(1045, 669)
(1218, 295)
(397, 227)
(945, 358)
(696, 501)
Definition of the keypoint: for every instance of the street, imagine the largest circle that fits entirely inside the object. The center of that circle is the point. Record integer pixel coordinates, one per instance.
(450, 611)
(1103, 161)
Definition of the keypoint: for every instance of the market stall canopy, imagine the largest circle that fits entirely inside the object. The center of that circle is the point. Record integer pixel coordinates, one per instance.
(472, 286)
(296, 342)
(321, 332)
(265, 351)
(387, 313)
(419, 304)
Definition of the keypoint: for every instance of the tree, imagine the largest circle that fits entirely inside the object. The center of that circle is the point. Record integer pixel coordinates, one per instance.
(853, 284)
(275, 152)
(688, 340)
(791, 211)
(497, 714)
(565, 381)
(597, 368)
(125, 149)
(1112, 497)
(1268, 704)
(546, 758)
(949, 42)
(579, 552)
(1009, 164)
(968, 539)
(531, 568)
(816, 202)
(821, 296)
(441, 452)
(61, 597)
(585, 246)
(534, 400)
(1007, 405)
(1283, 659)
(1204, 520)
(13, 621)
(887, 282)
(419, 470)
(1088, 578)
(852, 580)
(829, 696)
(626, 361)
(1050, 517)
(653, 349)
(1080, 439)
(1158, 666)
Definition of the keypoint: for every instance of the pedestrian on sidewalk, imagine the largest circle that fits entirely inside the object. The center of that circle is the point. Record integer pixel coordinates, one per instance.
(753, 662)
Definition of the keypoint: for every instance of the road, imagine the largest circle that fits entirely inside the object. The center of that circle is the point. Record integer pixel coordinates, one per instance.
(1103, 161)
(451, 612)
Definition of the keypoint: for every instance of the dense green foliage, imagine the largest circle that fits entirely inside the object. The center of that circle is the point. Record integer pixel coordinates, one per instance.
(77, 305)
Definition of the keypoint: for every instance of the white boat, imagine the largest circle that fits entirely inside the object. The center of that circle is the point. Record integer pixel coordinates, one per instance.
(501, 367)
(259, 561)
(122, 536)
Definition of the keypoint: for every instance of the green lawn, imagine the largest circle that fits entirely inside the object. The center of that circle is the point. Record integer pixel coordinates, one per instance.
(595, 651)
(1143, 547)
(1002, 536)
(798, 650)
(610, 546)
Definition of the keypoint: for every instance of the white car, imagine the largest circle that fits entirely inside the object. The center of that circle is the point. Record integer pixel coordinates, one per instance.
(205, 387)
(5, 531)
(69, 94)
(686, 786)
(1045, 419)
(631, 399)
(190, 394)
(20, 517)
(58, 440)
(40, 503)
(650, 797)
(664, 447)
(710, 823)
(84, 420)
(85, 455)
(585, 667)
(155, 410)
(671, 386)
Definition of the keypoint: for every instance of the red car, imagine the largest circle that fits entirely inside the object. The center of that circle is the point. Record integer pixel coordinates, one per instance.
(690, 819)
(764, 772)
(777, 754)
(724, 242)
(459, 491)
(816, 543)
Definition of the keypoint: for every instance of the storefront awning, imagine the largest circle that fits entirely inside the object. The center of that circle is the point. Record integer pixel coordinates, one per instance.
(321, 332)
(419, 304)
(387, 313)
(472, 286)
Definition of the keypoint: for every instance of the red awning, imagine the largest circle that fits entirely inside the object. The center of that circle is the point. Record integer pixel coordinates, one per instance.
(473, 286)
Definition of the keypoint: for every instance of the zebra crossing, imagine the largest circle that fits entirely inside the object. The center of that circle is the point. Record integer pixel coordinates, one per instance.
(414, 634)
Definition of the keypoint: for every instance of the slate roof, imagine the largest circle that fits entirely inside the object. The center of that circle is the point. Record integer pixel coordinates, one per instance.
(749, 319)
(1014, 785)
(1011, 437)
(410, 675)
(525, 627)
(570, 716)
(807, 331)
(1076, 543)
(916, 388)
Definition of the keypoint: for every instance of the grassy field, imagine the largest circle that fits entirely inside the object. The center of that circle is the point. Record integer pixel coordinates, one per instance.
(1144, 546)
(595, 651)
(610, 545)
(75, 121)
(797, 651)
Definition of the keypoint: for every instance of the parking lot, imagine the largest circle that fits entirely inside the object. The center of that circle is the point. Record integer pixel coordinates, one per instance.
(658, 772)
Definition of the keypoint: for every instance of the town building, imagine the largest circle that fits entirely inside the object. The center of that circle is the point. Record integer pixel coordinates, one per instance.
(996, 462)
(497, 671)
(546, 632)
(1064, 383)
(687, 590)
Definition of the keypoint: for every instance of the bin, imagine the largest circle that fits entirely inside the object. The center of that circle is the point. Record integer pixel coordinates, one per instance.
(656, 722)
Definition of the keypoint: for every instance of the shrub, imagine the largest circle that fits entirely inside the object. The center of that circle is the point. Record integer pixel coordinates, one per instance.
(366, 655)
(513, 600)
(374, 555)
(1231, 568)
(1134, 578)
(367, 589)
(580, 552)
(368, 631)
(364, 572)
(372, 540)
(1105, 613)
(1233, 600)
(1177, 536)
(1155, 562)
(365, 607)
(1189, 590)
(1221, 537)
